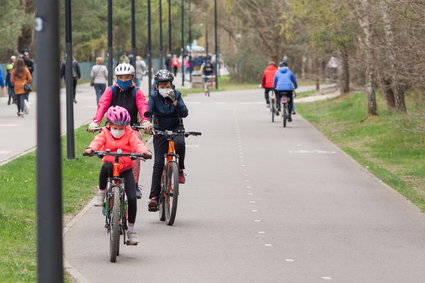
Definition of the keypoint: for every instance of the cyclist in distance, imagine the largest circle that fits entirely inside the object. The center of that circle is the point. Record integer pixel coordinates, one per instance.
(267, 80)
(117, 134)
(125, 94)
(284, 83)
(207, 73)
(168, 109)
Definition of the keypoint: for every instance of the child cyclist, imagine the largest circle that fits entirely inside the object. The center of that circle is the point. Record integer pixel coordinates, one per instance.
(168, 109)
(117, 134)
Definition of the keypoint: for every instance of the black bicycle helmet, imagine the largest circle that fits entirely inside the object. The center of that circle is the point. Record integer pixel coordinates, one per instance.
(283, 64)
(163, 76)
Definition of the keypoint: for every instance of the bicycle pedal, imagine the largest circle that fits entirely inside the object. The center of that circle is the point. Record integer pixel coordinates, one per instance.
(130, 244)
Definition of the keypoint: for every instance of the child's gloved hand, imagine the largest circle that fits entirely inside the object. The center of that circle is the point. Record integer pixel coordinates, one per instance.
(172, 95)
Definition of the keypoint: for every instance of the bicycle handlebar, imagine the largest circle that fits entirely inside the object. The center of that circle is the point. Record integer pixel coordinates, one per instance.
(134, 127)
(104, 153)
(173, 134)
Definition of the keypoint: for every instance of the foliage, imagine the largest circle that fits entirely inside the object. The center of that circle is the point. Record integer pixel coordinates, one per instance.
(11, 21)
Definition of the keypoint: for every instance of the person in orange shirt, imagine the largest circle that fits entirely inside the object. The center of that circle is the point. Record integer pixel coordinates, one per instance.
(117, 134)
(20, 76)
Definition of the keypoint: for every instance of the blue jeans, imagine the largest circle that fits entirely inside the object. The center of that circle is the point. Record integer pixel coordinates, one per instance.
(99, 89)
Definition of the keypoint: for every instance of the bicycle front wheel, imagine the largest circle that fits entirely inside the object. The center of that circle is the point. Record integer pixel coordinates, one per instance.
(172, 193)
(114, 233)
(161, 201)
(284, 115)
(272, 110)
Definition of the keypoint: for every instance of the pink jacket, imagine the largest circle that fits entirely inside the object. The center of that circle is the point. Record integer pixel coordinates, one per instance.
(128, 143)
(105, 102)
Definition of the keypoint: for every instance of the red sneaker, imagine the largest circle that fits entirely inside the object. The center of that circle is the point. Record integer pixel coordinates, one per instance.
(182, 178)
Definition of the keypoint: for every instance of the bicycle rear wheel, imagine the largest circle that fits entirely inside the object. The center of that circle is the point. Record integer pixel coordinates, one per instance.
(161, 201)
(172, 193)
(272, 109)
(284, 115)
(114, 233)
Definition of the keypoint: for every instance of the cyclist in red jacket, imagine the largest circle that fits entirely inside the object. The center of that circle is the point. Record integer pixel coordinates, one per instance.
(267, 80)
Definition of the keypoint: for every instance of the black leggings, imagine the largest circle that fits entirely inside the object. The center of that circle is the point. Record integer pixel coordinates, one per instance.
(160, 145)
(266, 94)
(130, 187)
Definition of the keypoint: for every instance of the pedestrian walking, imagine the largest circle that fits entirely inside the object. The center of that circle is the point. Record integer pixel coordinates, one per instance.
(168, 62)
(76, 75)
(99, 78)
(28, 61)
(1, 78)
(141, 70)
(175, 64)
(20, 77)
(9, 85)
(124, 59)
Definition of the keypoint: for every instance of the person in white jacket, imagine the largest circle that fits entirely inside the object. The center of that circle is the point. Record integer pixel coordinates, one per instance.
(99, 76)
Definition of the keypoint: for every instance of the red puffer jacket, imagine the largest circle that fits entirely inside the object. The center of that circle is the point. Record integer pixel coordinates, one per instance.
(268, 76)
(128, 143)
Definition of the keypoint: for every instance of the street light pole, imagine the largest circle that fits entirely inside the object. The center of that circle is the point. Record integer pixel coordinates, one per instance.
(70, 148)
(170, 48)
(216, 44)
(110, 52)
(190, 41)
(161, 57)
(182, 48)
(49, 173)
(149, 48)
(133, 33)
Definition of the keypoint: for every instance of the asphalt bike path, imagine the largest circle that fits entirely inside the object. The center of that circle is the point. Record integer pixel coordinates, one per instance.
(261, 203)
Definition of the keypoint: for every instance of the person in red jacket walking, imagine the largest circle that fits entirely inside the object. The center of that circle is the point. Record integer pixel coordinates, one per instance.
(267, 80)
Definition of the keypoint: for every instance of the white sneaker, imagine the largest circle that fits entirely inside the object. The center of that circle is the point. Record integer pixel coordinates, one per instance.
(133, 239)
(27, 107)
(100, 198)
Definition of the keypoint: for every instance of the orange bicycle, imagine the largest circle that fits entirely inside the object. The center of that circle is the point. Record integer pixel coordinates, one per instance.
(169, 194)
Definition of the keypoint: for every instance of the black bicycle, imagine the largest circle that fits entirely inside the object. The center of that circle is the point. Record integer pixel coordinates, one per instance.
(169, 194)
(115, 207)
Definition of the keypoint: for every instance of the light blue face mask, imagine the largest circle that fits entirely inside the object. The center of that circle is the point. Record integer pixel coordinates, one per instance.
(124, 84)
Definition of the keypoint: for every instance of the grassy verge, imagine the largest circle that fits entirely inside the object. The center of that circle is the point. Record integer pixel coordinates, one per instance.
(17, 206)
(391, 146)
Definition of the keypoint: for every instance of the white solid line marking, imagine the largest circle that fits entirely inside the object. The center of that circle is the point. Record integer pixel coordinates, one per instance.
(257, 220)
(312, 151)
(261, 232)
(326, 278)
(289, 260)
(268, 245)
(252, 201)
(5, 151)
(9, 125)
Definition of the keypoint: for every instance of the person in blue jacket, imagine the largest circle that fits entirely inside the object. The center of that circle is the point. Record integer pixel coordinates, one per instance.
(168, 109)
(1, 78)
(284, 84)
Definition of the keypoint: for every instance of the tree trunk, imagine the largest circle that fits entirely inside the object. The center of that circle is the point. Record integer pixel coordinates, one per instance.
(345, 71)
(366, 25)
(387, 90)
(398, 88)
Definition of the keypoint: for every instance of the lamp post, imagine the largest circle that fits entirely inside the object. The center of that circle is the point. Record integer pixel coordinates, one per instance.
(216, 44)
(110, 52)
(190, 41)
(133, 33)
(182, 48)
(149, 48)
(49, 173)
(70, 148)
(161, 57)
(170, 49)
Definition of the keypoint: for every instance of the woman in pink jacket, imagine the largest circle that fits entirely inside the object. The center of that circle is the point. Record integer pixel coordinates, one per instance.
(119, 135)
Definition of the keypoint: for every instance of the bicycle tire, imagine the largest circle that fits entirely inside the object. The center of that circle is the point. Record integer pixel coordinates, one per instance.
(114, 233)
(161, 206)
(272, 110)
(284, 115)
(172, 193)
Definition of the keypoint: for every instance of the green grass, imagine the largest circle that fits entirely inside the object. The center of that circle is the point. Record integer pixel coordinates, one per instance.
(305, 93)
(391, 146)
(17, 206)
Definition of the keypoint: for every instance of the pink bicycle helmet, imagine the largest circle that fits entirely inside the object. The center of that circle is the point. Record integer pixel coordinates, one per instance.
(118, 115)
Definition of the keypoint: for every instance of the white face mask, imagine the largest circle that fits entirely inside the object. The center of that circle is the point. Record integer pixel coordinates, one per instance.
(117, 133)
(164, 91)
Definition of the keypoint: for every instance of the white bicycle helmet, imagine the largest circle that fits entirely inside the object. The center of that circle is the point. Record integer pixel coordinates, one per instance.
(124, 69)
